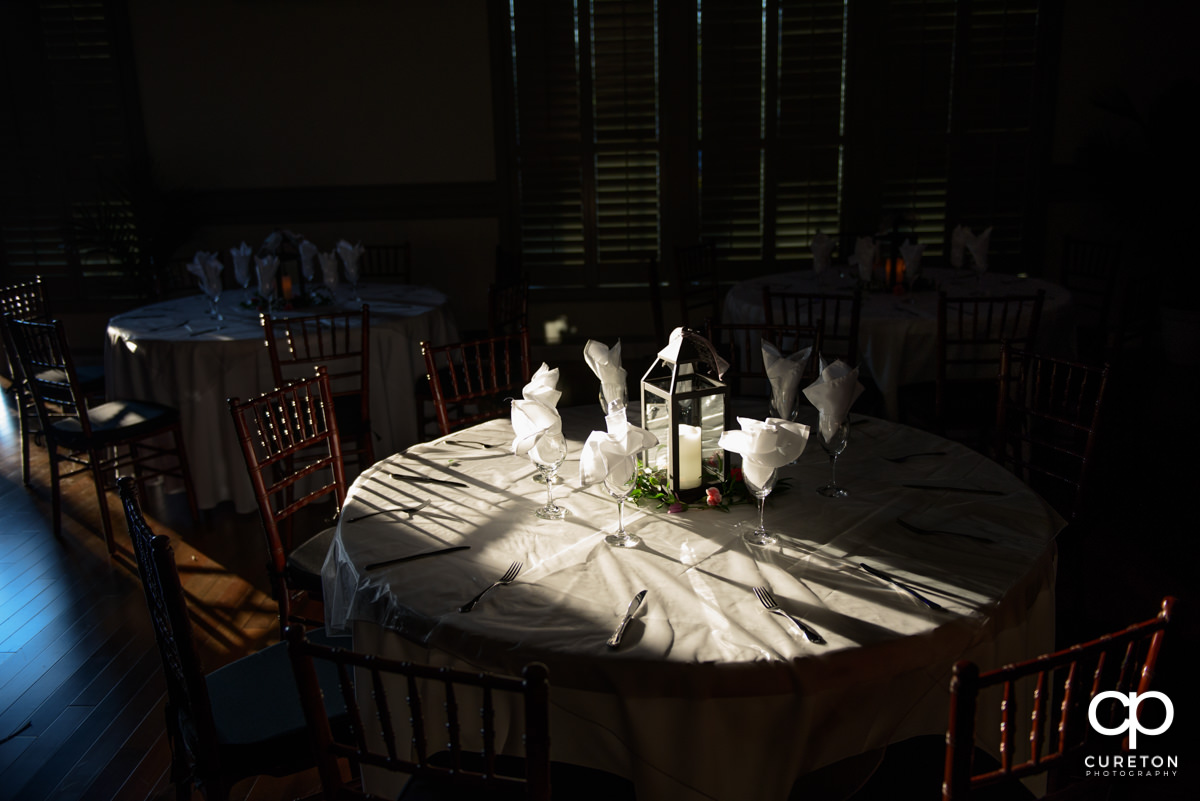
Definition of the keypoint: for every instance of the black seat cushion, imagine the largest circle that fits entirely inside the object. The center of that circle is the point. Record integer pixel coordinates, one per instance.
(116, 421)
(304, 563)
(257, 712)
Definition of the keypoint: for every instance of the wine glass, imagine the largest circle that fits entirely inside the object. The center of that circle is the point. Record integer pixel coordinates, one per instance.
(620, 481)
(213, 290)
(548, 455)
(834, 447)
(760, 481)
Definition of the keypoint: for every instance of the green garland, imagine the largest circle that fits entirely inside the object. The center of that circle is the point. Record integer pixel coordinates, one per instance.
(653, 486)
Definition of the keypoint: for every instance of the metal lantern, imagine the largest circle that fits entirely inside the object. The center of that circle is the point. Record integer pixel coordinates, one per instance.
(685, 407)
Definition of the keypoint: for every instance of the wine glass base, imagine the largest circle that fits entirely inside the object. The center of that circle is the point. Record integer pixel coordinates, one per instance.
(832, 491)
(623, 540)
(551, 513)
(759, 537)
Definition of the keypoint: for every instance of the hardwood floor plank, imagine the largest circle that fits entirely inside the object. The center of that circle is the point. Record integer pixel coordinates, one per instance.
(129, 771)
(40, 752)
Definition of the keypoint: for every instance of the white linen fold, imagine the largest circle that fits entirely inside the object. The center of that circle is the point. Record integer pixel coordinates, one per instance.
(608, 451)
(535, 414)
(241, 264)
(605, 362)
(833, 393)
(765, 445)
(207, 268)
(329, 272)
(822, 250)
(350, 255)
(977, 246)
(911, 253)
(784, 373)
(675, 344)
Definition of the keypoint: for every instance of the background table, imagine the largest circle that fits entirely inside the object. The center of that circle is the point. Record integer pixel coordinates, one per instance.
(897, 338)
(174, 353)
(709, 696)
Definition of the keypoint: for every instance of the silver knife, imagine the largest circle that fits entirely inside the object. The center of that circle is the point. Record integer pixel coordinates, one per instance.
(411, 557)
(426, 480)
(898, 585)
(615, 639)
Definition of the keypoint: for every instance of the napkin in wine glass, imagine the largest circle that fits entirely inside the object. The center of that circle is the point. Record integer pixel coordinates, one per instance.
(784, 373)
(241, 263)
(266, 267)
(207, 267)
(329, 273)
(271, 244)
(606, 451)
(912, 259)
(864, 254)
(535, 414)
(977, 246)
(822, 250)
(350, 254)
(605, 362)
(833, 393)
(308, 260)
(765, 445)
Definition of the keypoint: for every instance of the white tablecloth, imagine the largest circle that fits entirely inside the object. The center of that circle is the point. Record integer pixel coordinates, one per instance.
(897, 337)
(174, 353)
(709, 696)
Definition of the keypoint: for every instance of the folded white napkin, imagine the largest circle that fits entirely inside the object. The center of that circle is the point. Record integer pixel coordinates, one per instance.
(241, 263)
(977, 246)
(822, 250)
(607, 451)
(912, 259)
(350, 254)
(864, 253)
(784, 373)
(272, 242)
(671, 352)
(329, 268)
(266, 267)
(765, 445)
(535, 414)
(605, 362)
(833, 393)
(308, 260)
(207, 267)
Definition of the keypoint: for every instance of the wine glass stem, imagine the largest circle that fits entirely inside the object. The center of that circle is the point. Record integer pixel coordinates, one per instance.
(549, 490)
(833, 470)
(621, 517)
(762, 503)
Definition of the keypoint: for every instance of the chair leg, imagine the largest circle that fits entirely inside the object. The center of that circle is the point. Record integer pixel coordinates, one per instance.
(55, 489)
(185, 471)
(102, 496)
(26, 434)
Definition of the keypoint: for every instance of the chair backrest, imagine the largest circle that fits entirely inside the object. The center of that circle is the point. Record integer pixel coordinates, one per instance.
(970, 330)
(741, 345)
(24, 301)
(469, 381)
(1056, 692)
(840, 312)
(469, 759)
(289, 436)
(697, 284)
(45, 364)
(1090, 270)
(340, 342)
(391, 263)
(1048, 417)
(189, 710)
(508, 308)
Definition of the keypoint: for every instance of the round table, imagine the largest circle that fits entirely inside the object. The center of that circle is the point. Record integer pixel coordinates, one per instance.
(709, 695)
(897, 337)
(174, 353)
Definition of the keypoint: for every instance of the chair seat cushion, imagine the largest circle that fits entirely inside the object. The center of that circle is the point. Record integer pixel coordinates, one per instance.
(117, 421)
(257, 713)
(304, 563)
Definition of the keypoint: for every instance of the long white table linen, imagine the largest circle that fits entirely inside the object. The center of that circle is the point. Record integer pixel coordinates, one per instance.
(709, 696)
(174, 353)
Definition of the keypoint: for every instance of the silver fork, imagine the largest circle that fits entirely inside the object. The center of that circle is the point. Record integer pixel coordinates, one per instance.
(768, 600)
(469, 442)
(408, 510)
(508, 578)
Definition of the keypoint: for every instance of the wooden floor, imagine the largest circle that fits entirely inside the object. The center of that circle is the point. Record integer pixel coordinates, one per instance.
(81, 688)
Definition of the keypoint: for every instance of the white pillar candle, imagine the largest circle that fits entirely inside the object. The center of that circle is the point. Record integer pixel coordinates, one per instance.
(689, 457)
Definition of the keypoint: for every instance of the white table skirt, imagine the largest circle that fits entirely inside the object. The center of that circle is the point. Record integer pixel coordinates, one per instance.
(709, 696)
(897, 338)
(173, 353)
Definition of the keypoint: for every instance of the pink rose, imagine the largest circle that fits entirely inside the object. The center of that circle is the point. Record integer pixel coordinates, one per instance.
(675, 508)
(714, 496)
